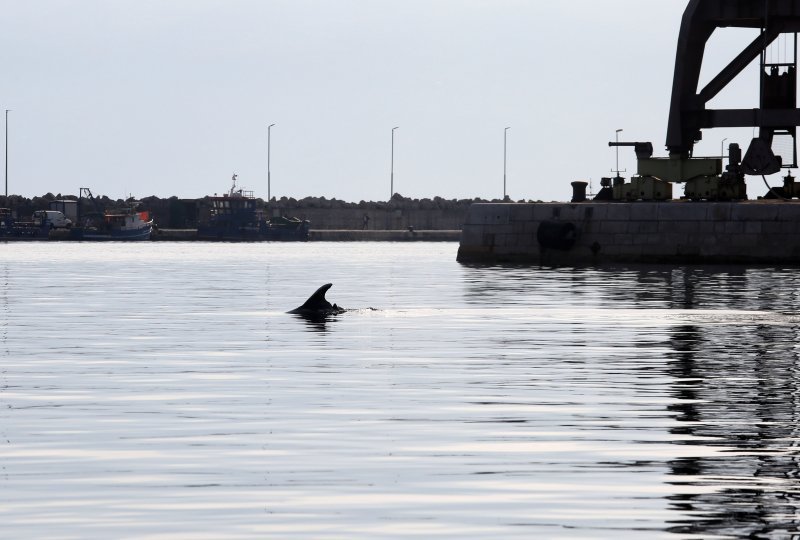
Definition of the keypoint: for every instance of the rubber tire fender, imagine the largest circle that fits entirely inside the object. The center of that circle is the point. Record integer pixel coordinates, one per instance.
(558, 235)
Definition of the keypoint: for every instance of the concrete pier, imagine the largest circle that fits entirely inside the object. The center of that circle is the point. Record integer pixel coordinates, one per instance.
(341, 235)
(384, 236)
(174, 235)
(752, 232)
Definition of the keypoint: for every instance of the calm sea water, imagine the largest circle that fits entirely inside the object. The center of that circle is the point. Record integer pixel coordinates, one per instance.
(161, 391)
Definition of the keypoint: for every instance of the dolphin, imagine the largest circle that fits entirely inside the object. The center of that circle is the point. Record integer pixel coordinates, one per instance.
(317, 306)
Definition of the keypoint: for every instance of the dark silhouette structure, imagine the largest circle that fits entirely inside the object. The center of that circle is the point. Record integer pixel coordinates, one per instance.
(778, 112)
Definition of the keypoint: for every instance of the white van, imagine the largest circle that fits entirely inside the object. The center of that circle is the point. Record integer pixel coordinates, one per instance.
(53, 218)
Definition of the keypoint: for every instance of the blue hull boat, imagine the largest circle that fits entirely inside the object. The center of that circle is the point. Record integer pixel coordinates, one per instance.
(127, 224)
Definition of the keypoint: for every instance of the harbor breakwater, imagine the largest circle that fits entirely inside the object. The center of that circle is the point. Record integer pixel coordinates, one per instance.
(400, 213)
(748, 232)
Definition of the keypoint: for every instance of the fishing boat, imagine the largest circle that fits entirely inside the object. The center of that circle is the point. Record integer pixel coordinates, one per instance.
(11, 228)
(234, 217)
(126, 224)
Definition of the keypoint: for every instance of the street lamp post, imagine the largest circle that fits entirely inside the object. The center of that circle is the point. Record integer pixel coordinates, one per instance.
(6, 200)
(505, 153)
(269, 173)
(391, 180)
(722, 150)
(617, 140)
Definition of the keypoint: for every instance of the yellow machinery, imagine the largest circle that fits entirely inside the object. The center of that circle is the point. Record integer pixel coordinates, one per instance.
(642, 188)
(703, 177)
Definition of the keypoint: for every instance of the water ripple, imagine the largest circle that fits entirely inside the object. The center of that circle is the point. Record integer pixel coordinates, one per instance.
(161, 391)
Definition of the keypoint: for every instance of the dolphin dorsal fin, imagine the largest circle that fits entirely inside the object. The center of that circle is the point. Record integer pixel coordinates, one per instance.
(317, 300)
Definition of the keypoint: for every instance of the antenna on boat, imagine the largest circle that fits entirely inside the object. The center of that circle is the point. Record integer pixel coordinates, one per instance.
(233, 187)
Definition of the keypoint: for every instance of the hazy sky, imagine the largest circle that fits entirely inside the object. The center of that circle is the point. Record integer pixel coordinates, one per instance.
(170, 97)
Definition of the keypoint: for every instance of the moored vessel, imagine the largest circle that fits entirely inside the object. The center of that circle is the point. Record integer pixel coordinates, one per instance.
(235, 217)
(125, 224)
(15, 229)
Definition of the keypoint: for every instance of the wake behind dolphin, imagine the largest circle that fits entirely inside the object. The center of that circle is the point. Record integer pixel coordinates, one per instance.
(317, 305)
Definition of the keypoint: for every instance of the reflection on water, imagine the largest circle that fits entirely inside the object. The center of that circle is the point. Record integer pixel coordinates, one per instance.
(736, 387)
(732, 364)
(161, 391)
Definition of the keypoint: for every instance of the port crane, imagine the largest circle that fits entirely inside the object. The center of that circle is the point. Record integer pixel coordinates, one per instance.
(776, 118)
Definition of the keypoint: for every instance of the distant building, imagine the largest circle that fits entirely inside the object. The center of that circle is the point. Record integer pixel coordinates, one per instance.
(68, 208)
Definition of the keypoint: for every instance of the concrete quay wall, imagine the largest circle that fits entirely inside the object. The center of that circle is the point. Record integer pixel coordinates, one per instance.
(383, 236)
(752, 232)
(387, 219)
